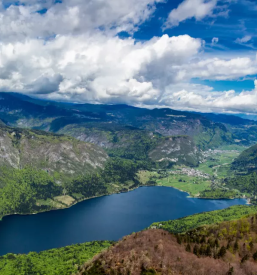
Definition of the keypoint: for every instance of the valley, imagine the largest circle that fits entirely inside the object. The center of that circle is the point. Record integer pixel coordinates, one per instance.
(87, 151)
(114, 167)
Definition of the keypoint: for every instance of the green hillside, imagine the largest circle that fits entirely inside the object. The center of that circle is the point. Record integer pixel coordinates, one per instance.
(246, 161)
(133, 143)
(68, 260)
(61, 261)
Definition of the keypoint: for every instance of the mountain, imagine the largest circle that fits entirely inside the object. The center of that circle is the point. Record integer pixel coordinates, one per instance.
(23, 111)
(50, 152)
(228, 119)
(134, 143)
(203, 250)
(246, 161)
(153, 251)
(244, 130)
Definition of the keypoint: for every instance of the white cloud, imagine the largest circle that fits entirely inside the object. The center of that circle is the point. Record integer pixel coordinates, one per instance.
(94, 68)
(72, 52)
(203, 98)
(188, 9)
(220, 69)
(72, 17)
(215, 40)
(244, 39)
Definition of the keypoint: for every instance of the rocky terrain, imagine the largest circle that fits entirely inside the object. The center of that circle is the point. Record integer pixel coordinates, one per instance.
(50, 152)
(177, 149)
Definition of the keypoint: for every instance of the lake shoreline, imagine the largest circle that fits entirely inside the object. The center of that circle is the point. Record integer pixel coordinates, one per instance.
(73, 204)
(119, 215)
(129, 190)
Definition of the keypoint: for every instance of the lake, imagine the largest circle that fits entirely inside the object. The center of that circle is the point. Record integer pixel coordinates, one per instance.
(105, 218)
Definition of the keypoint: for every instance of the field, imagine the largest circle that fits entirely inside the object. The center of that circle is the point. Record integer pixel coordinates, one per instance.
(67, 200)
(145, 176)
(218, 165)
(191, 185)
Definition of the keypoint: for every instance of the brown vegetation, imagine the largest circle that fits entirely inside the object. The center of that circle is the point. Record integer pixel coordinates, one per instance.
(159, 252)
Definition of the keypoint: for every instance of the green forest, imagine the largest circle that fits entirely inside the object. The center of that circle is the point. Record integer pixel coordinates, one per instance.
(59, 261)
(24, 190)
(206, 218)
(219, 194)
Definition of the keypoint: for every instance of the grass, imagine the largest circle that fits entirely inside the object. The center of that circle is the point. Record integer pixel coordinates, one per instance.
(219, 165)
(191, 185)
(144, 176)
(51, 203)
(67, 200)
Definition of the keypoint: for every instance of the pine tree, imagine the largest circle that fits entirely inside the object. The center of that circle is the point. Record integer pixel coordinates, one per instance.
(251, 245)
(203, 240)
(202, 250)
(255, 256)
(236, 246)
(208, 251)
(196, 250)
(178, 239)
(217, 243)
(188, 248)
(222, 251)
(245, 258)
(231, 271)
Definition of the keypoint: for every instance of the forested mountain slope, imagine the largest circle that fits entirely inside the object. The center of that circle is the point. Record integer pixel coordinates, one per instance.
(156, 251)
(225, 248)
(23, 111)
(247, 160)
(50, 152)
(134, 143)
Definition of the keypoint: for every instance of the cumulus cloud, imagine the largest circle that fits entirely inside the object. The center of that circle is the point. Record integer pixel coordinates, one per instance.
(188, 9)
(94, 68)
(71, 17)
(200, 97)
(70, 51)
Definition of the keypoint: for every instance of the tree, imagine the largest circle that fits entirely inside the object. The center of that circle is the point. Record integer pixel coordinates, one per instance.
(251, 245)
(208, 251)
(196, 250)
(188, 248)
(222, 251)
(202, 250)
(179, 239)
(245, 258)
(217, 243)
(255, 256)
(236, 246)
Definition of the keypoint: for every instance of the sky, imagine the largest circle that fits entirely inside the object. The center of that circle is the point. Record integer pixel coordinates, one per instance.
(196, 55)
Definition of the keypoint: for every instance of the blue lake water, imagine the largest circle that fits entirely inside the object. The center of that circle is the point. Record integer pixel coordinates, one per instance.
(105, 218)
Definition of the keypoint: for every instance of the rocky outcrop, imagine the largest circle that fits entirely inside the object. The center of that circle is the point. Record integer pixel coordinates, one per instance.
(54, 153)
(178, 150)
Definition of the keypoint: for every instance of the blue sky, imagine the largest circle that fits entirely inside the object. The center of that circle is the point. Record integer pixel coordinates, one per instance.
(240, 22)
(197, 55)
